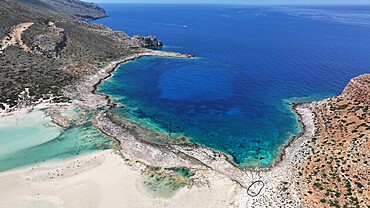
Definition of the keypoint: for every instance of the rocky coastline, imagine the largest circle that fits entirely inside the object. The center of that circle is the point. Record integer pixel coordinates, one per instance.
(256, 187)
(277, 185)
(195, 157)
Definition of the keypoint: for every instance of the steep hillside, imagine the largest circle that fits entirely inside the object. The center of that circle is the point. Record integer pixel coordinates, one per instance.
(74, 8)
(336, 173)
(45, 47)
(359, 89)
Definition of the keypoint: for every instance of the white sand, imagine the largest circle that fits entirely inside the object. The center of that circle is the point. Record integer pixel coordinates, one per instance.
(100, 179)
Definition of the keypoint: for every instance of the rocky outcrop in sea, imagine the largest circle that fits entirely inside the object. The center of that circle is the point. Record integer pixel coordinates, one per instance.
(147, 42)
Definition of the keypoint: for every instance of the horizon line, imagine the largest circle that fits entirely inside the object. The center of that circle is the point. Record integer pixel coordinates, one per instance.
(241, 4)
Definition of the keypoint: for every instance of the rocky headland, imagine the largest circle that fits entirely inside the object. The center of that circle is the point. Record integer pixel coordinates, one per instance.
(289, 182)
(147, 42)
(335, 173)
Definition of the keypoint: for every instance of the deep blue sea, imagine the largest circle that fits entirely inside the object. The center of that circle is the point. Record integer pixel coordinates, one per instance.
(252, 62)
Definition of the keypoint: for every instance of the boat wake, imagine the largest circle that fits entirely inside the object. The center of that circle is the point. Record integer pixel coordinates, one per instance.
(167, 24)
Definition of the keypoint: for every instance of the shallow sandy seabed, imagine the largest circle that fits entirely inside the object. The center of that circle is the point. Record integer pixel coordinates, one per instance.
(100, 179)
(24, 130)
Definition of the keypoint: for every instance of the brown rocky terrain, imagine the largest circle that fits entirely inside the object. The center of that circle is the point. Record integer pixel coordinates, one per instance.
(336, 173)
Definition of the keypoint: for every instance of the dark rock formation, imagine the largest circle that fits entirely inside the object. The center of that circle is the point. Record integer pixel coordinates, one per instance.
(51, 42)
(147, 42)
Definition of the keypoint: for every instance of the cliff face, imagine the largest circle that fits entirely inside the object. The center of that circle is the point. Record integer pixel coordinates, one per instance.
(336, 172)
(359, 89)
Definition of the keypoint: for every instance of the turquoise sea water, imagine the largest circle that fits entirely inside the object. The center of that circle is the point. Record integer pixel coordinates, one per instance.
(32, 138)
(252, 62)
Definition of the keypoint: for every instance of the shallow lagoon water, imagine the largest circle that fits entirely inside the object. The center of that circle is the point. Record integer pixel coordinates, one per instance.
(32, 138)
(19, 132)
(165, 183)
(251, 62)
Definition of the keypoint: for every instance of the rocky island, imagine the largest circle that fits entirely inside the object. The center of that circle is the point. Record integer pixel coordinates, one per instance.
(56, 60)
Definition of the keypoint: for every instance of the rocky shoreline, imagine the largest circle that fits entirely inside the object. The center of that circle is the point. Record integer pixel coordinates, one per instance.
(275, 186)
(62, 46)
(255, 187)
(196, 157)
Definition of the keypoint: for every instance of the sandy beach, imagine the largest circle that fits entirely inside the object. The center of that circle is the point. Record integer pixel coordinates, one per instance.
(100, 179)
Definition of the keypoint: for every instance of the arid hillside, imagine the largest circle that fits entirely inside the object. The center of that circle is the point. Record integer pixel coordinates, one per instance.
(46, 46)
(337, 173)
